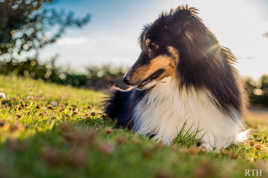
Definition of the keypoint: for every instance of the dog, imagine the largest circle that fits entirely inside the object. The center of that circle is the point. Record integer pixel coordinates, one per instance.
(183, 79)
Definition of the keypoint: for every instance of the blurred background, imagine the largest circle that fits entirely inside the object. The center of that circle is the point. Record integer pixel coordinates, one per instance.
(91, 43)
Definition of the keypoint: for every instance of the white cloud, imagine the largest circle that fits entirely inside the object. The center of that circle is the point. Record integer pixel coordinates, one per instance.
(238, 25)
(72, 41)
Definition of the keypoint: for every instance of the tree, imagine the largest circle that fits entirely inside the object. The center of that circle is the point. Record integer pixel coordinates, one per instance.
(29, 25)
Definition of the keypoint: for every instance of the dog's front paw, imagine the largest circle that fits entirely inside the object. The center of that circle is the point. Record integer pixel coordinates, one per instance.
(243, 136)
(164, 139)
(208, 147)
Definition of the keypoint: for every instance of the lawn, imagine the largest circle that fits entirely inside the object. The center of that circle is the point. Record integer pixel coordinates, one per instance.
(61, 132)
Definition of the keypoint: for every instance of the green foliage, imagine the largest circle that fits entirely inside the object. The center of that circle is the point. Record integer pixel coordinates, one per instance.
(257, 91)
(46, 72)
(56, 131)
(187, 137)
(96, 77)
(104, 76)
(106, 70)
(24, 25)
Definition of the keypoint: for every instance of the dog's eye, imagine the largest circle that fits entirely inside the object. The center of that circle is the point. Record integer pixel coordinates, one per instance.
(153, 46)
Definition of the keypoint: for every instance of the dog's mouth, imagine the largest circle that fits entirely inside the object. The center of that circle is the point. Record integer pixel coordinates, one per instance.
(152, 77)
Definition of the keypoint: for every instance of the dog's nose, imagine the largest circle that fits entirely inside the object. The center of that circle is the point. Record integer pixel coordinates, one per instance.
(126, 80)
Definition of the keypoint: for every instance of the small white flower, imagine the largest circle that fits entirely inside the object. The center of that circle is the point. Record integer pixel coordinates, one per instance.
(30, 97)
(2, 95)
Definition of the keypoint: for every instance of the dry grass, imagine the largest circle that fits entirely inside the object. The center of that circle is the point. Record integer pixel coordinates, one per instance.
(257, 118)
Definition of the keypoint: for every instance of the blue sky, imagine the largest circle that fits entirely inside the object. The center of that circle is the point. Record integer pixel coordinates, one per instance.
(111, 36)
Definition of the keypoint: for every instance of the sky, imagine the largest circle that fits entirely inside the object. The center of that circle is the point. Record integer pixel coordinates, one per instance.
(111, 36)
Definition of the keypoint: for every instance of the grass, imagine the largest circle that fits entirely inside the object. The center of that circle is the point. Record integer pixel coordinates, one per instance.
(54, 131)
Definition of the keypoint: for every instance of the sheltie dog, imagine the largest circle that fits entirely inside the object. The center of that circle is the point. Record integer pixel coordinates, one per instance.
(183, 79)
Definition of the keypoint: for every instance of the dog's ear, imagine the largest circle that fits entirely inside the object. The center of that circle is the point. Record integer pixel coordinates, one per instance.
(204, 63)
(198, 38)
(199, 51)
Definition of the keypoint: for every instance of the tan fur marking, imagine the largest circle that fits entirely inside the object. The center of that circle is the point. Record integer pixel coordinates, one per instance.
(174, 52)
(160, 62)
(139, 72)
(166, 63)
(147, 42)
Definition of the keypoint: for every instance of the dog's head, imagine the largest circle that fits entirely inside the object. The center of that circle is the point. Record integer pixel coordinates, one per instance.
(175, 41)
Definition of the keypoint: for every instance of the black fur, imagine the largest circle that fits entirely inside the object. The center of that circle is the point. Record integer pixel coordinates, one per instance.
(120, 106)
(203, 63)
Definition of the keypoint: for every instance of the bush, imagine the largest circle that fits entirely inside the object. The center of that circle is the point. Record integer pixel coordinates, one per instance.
(96, 77)
(101, 77)
(257, 91)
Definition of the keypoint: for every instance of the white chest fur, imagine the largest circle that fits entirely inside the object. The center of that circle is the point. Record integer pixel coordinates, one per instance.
(167, 108)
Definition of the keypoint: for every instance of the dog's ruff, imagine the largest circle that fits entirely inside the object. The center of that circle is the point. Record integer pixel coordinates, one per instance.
(166, 109)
